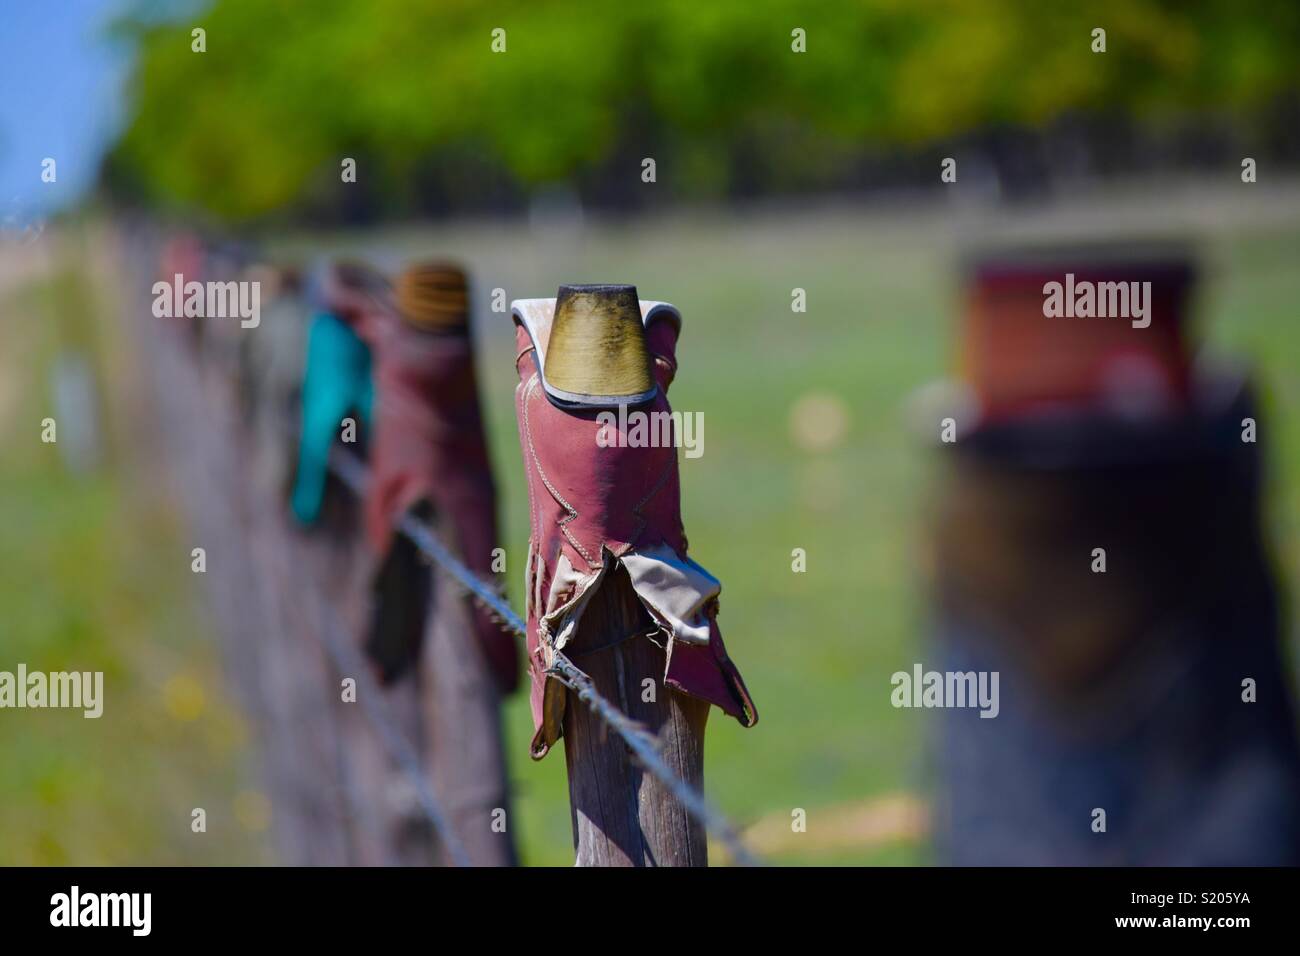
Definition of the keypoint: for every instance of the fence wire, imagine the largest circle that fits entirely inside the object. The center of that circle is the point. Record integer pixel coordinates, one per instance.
(643, 745)
(340, 649)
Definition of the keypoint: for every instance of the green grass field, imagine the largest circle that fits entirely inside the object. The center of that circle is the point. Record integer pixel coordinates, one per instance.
(89, 580)
(816, 648)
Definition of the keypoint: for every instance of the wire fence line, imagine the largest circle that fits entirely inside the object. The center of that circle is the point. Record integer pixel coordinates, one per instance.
(323, 618)
(340, 649)
(643, 745)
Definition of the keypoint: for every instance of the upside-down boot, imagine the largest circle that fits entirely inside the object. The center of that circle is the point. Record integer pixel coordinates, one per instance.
(596, 503)
(428, 458)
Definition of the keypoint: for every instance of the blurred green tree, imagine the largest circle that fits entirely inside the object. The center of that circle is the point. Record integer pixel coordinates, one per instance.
(260, 122)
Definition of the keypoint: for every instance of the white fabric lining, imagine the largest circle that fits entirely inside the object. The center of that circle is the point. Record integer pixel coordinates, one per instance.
(537, 316)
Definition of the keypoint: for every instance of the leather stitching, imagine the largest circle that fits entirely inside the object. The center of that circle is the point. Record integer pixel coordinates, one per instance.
(541, 473)
(636, 510)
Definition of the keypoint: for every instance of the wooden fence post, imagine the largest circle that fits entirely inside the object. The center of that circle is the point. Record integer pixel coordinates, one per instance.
(333, 789)
(462, 727)
(622, 815)
(331, 579)
(296, 751)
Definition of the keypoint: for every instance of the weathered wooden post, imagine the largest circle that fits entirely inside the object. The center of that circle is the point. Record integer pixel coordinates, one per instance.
(331, 568)
(445, 664)
(1102, 583)
(461, 720)
(283, 696)
(623, 816)
(609, 583)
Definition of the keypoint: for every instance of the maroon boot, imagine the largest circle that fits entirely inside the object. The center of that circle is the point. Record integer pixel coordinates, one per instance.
(597, 502)
(428, 455)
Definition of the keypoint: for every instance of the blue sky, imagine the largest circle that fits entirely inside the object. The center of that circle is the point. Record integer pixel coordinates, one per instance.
(60, 96)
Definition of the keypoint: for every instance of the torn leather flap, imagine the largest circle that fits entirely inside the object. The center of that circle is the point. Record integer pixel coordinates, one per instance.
(682, 599)
(430, 449)
(675, 590)
(597, 501)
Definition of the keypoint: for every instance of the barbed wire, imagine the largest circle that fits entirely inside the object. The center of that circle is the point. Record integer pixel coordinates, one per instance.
(646, 748)
(334, 637)
(348, 661)
(643, 745)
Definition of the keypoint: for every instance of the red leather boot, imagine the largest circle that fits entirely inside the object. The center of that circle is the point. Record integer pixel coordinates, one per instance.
(428, 455)
(596, 503)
